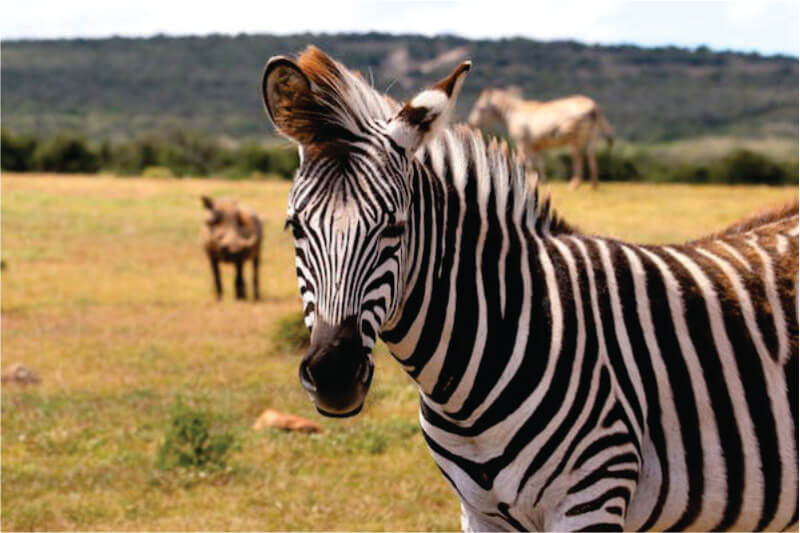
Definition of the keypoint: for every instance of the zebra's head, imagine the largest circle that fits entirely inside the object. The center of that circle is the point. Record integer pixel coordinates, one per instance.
(488, 108)
(349, 210)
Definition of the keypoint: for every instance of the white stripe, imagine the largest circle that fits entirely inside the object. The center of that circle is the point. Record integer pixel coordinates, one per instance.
(774, 300)
(781, 243)
(735, 253)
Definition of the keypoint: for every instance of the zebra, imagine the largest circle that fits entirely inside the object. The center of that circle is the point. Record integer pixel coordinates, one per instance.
(566, 381)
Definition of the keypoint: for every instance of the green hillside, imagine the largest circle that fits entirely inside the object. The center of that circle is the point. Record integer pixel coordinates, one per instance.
(119, 87)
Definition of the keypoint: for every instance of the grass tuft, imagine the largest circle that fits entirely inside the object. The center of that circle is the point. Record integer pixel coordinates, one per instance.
(190, 442)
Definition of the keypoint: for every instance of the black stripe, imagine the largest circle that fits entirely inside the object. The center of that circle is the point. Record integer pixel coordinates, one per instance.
(597, 503)
(465, 319)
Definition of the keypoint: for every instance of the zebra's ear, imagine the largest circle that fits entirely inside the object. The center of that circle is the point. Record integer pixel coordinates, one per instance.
(288, 99)
(427, 113)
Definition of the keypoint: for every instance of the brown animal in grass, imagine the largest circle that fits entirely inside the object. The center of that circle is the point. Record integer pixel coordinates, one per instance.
(232, 235)
(275, 419)
(535, 126)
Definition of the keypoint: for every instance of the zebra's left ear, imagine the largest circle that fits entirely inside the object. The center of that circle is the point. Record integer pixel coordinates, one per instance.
(427, 113)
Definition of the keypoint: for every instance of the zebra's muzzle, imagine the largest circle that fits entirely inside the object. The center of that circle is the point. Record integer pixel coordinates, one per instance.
(337, 371)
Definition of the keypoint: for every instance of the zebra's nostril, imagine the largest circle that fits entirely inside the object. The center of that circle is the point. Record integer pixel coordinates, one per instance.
(306, 379)
(363, 373)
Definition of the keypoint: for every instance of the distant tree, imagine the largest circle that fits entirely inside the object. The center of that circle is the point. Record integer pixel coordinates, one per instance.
(744, 166)
(66, 152)
(17, 151)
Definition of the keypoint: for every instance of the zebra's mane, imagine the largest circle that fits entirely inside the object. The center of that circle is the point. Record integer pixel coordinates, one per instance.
(350, 102)
(498, 171)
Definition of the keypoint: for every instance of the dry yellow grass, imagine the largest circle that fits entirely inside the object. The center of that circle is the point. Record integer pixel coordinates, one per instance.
(108, 296)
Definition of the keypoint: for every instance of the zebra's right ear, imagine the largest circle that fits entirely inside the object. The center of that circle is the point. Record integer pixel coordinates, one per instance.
(427, 113)
(288, 99)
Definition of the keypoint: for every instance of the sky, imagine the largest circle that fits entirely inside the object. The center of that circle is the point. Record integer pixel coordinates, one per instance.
(766, 26)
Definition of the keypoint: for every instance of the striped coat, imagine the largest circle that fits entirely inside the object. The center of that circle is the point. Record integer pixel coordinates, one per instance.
(567, 382)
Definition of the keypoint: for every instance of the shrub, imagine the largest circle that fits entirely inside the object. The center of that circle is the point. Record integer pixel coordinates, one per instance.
(131, 158)
(66, 152)
(290, 333)
(189, 152)
(744, 166)
(17, 151)
(189, 442)
(614, 167)
(157, 172)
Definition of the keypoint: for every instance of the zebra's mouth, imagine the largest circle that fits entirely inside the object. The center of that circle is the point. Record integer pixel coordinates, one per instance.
(340, 401)
(337, 376)
(348, 414)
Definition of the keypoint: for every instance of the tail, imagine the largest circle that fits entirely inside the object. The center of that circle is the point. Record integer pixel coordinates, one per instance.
(604, 126)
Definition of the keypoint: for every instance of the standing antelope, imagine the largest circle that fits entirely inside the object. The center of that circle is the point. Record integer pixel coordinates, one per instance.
(536, 126)
(567, 382)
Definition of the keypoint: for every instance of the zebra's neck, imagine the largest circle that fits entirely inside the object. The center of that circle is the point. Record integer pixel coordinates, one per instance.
(475, 232)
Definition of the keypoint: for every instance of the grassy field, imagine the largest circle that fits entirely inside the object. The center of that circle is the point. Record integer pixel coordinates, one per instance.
(107, 295)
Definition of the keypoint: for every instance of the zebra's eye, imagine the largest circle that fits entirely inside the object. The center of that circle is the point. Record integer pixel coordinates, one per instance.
(297, 231)
(393, 231)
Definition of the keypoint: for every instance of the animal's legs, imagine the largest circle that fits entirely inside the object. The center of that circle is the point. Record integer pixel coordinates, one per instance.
(215, 271)
(577, 167)
(239, 283)
(590, 155)
(534, 162)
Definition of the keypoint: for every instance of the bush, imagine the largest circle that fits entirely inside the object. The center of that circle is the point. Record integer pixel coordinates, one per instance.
(744, 166)
(189, 152)
(66, 152)
(188, 441)
(615, 167)
(17, 152)
(157, 172)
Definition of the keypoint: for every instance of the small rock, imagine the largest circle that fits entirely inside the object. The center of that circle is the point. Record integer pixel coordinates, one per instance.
(20, 374)
(275, 419)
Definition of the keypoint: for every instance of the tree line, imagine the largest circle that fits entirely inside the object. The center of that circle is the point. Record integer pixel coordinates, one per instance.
(178, 153)
(173, 153)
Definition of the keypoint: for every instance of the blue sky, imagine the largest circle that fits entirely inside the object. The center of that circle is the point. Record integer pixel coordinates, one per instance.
(767, 27)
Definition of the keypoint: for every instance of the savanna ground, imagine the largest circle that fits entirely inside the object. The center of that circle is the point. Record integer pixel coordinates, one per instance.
(107, 295)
